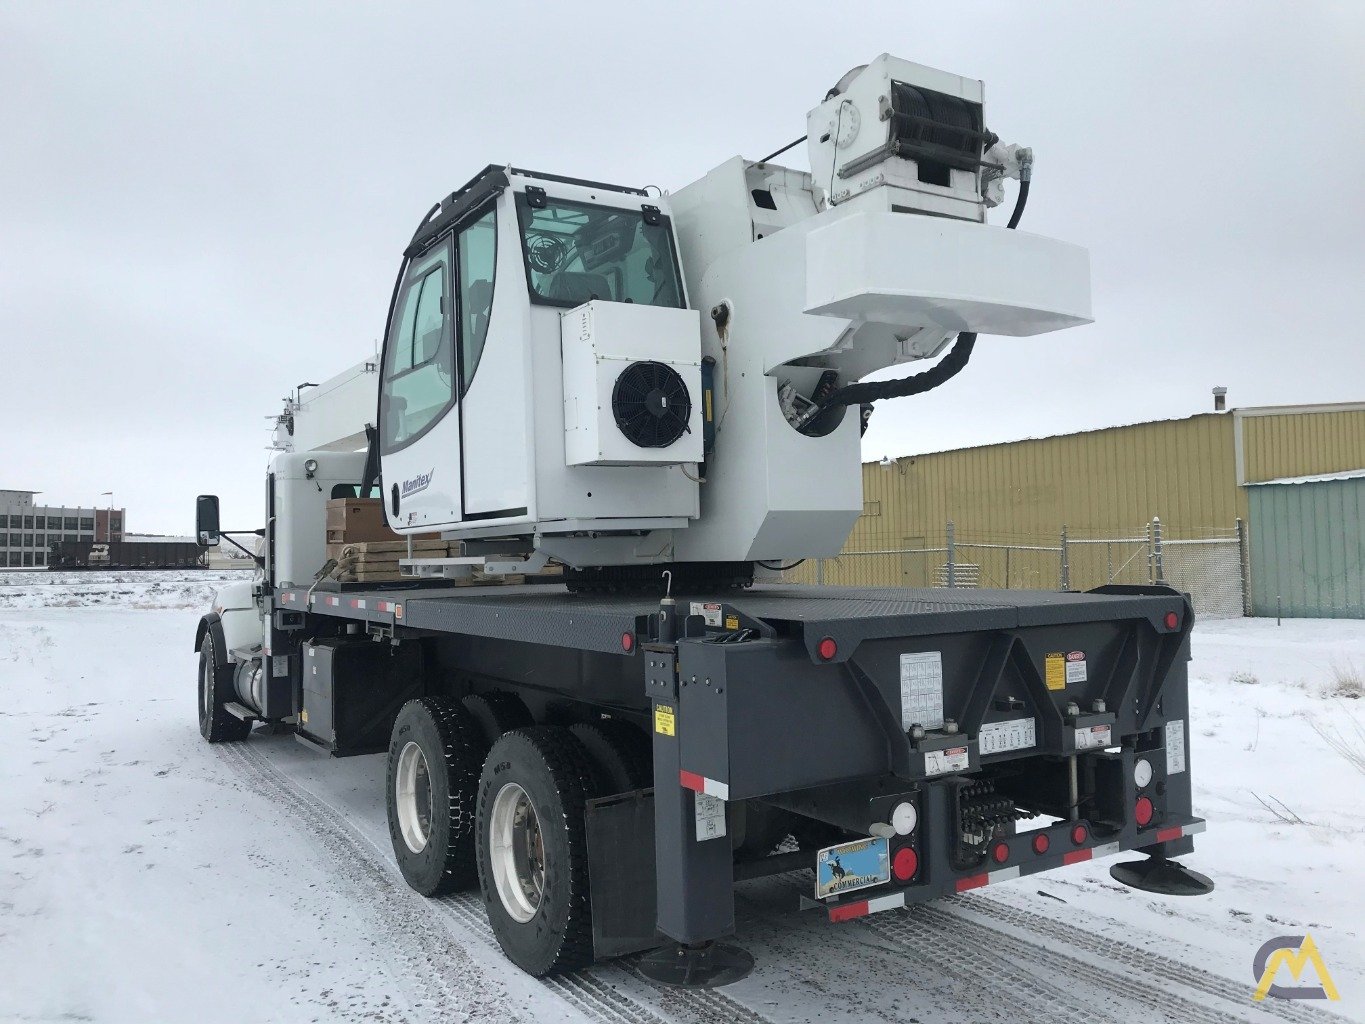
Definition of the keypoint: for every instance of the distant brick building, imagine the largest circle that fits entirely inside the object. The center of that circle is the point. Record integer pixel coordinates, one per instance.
(27, 531)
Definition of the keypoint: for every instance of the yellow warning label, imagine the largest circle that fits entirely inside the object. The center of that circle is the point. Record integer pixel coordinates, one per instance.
(732, 622)
(664, 720)
(1056, 672)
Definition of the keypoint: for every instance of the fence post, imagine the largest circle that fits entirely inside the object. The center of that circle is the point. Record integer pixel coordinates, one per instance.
(1156, 552)
(1007, 567)
(1151, 572)
(1109, 560)
(820, 571)
(952, 556)
(1242, 565)
(1066, 562)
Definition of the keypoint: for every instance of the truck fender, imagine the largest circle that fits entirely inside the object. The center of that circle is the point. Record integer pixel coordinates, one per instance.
(211, 624)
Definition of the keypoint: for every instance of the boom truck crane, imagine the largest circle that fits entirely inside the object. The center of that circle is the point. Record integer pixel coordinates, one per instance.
(664, 395)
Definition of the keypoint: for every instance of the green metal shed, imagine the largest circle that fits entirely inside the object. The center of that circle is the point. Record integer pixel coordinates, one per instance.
(1308, 546)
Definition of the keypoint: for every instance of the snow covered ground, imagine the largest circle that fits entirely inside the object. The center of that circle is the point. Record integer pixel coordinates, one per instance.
(149, 877)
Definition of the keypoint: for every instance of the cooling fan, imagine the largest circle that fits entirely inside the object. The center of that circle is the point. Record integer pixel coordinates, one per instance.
(651, 404)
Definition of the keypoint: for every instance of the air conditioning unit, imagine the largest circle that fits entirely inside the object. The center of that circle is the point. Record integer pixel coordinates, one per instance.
(632, 385)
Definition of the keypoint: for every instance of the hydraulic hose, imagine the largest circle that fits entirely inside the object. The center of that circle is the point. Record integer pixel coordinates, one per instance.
(916, 384)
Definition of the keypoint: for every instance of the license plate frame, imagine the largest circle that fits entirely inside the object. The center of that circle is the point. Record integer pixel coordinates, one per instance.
(849, 867)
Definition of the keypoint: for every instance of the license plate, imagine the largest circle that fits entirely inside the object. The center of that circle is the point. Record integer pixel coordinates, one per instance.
(851, 866)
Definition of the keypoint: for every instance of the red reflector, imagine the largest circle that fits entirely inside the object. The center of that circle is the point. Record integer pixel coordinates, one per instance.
(1001, 853)
(1075, 856)
(1167, 834)
(1079, 834)
(827, 649)
(1142, 812)
(627, 642)
(692, 781)
(1040, 844)
(1172, 620)
(848, 911)
(975, 882)
(904, 864)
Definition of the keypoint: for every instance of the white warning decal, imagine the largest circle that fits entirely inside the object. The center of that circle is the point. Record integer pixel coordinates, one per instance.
(1094, 737)
(922, 690)
(710, 814)
(1015, 734)
(708, 610)
(1075, 667)
(1175, 746)
(954, 759)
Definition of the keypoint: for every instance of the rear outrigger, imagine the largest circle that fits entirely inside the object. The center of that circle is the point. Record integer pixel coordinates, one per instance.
(648, 393)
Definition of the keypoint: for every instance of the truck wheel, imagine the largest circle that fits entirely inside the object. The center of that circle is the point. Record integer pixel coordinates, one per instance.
(533, 849)
(216, 724)
(496, 713)
(435, 754)
(620, 751)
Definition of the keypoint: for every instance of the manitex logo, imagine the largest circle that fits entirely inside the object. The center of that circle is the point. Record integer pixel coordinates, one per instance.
(418, 483)
(1295, 952)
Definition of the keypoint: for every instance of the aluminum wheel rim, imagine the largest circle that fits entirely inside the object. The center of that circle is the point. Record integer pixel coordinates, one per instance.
(517, 852)
(412, 797)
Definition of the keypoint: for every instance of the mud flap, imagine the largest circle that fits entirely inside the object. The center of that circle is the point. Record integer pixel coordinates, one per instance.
(621, 869)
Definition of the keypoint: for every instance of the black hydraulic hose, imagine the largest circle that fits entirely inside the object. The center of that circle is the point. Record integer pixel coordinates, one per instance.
(1019, 202)
(947, 368)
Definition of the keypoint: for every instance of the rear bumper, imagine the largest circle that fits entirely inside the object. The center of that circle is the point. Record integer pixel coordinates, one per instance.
(1022, 861)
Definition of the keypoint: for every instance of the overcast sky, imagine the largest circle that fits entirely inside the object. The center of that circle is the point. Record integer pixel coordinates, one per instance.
(202, 204)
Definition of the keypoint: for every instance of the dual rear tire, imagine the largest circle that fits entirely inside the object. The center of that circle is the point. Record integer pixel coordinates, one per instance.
(477, 793)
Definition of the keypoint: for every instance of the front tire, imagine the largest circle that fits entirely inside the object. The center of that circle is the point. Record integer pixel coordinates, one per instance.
(533, 850)
(216, 723)
(435, 753)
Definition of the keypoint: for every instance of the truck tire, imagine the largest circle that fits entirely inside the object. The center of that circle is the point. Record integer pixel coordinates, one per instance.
(435, 754)
(496, 713)
(216, 724)
(533, 849)
(621, 753)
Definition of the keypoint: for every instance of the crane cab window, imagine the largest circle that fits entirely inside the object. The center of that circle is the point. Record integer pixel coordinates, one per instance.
(419, 370)
(579, 251)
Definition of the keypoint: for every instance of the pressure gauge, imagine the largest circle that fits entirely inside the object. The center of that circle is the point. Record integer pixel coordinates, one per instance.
(904, 818)
(1142, 773)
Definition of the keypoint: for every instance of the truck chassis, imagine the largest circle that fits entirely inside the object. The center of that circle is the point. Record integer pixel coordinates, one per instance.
(811, 713)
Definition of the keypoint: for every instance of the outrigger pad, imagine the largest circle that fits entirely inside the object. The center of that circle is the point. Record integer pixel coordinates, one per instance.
(708, 965)
(1161, 876)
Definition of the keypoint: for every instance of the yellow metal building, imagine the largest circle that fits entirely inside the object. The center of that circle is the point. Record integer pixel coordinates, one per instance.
(1103, 487)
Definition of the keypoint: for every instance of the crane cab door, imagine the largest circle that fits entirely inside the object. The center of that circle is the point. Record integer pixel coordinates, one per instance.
(419, 425)
(432, 350)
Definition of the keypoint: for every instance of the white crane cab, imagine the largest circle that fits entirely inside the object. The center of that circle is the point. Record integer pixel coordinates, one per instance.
(541, 374)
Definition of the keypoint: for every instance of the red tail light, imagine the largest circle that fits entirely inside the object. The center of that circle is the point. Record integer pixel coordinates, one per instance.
(904, 864)
(1079, 834)
(1001, 853)
(827, 649)
(1142, 811)
(1040, 844)
(627, 642)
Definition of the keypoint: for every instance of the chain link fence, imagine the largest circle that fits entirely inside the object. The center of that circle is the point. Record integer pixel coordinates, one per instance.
(1212, 568)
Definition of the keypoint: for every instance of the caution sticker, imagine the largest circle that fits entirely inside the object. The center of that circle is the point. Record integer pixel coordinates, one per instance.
(664, 720)
(1055, 677)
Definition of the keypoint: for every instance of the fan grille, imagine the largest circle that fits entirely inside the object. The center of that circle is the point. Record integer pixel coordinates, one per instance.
(651, 404)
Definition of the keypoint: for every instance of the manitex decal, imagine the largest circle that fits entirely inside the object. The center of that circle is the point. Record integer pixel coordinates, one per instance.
(418, 483)
(855, 865)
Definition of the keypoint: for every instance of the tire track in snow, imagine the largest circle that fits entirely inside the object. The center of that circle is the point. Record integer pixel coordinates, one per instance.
(586, 991)
(1147, 994)
(1118, 951)
(445, 975)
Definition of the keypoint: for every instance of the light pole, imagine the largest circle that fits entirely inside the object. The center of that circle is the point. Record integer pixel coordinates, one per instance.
(109, 517)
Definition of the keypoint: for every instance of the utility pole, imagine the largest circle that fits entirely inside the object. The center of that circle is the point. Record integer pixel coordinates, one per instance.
(109, 520)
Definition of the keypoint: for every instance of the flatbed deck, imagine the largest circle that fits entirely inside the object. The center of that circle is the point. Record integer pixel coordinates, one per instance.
(551, 615)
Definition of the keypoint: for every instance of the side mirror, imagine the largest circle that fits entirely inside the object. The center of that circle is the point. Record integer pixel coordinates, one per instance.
(206, 519)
